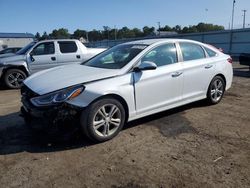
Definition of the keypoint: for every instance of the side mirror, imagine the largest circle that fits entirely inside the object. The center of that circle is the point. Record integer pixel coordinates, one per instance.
(145, 65)
(31, 56)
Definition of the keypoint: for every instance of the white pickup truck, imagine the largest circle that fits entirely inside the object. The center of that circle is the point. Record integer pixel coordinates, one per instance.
(43, 55)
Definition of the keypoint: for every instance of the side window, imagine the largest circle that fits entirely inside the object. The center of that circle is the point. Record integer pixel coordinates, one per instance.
(210, 52)
(67, 46)
(8, 50)
(162, 55)
(44, 49)
(191, 51)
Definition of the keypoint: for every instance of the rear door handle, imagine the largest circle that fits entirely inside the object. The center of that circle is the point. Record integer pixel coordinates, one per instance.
(78, 56)
(208, 66)
(53, 58)
(176, 74)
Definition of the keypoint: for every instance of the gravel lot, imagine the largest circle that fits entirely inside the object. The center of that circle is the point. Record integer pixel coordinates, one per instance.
(191, 146)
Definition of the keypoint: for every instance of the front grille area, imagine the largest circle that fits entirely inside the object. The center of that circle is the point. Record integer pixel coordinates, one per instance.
(27, 94)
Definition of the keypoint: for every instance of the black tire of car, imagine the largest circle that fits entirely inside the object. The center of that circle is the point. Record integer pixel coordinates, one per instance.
(9, 72)
(86, 119)
(210, 99)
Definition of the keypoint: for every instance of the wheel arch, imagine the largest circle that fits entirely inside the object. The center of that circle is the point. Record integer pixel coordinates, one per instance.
(21, 67)
(117, 97)
(223, 77)
(220, 75)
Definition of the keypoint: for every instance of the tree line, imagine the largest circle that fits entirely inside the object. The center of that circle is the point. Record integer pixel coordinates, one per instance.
(112, 33)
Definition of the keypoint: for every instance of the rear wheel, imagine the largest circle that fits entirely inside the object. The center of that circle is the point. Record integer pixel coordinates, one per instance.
(216, 90)
(13, 78)
(103, 120)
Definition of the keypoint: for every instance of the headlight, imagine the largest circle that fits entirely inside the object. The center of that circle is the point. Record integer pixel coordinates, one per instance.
(57, 97)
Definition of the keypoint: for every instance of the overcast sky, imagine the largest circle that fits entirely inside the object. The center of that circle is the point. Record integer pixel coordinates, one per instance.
(37, 15)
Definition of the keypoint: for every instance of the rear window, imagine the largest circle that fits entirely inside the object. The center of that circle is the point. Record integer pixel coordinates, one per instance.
(210, 52)
(67, 46)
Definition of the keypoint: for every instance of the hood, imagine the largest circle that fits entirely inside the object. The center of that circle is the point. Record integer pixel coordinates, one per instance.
(12, 58)
(7, 55)
(65, 76)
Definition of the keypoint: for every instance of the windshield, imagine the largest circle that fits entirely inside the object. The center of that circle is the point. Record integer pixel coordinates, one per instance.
(25, 48)
(116, 57)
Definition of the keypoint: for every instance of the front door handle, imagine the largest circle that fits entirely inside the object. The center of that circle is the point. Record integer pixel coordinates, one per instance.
(53, 58)
(78, 56)
(208, 66)
(176, 74)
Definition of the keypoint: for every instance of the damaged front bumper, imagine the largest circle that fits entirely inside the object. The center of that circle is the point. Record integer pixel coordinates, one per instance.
(50, 118)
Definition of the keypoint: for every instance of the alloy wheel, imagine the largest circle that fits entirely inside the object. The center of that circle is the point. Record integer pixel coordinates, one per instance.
(16, 79)
(107, 120)
(217, 90)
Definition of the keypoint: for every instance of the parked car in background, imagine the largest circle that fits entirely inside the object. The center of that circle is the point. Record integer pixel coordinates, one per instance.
(6, 55)
(10, 50)
(22, 51)
(124, 83)
(244, 59)
(43, 55)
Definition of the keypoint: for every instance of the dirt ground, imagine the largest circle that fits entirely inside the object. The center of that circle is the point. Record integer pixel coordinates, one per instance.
(191, 146)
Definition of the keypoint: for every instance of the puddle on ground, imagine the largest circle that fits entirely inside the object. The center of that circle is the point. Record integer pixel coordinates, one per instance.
(174, 125)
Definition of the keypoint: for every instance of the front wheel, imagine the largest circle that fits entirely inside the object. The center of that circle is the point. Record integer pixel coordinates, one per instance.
(216, 90)
(14, 78)
(103, 119)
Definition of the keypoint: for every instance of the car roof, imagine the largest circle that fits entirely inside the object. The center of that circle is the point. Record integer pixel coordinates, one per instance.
(52, 40)
(153, 41)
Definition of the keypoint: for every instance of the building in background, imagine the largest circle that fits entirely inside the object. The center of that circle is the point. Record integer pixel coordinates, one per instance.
(8, 40)
(165, 33)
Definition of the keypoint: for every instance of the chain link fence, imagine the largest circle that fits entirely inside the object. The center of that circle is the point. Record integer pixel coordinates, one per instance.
(233, 42)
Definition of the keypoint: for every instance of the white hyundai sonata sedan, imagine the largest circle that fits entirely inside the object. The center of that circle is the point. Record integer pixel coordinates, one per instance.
(124, 83)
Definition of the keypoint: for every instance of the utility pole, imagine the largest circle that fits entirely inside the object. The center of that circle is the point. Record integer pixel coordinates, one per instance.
(106, 29)
(232, 23)
(115, 32)
(87, 36)
(159, 27)
(244, 18)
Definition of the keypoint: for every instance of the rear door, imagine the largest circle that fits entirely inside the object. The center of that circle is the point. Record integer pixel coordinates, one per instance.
(42, 57)
(69, 53)
(198, 70)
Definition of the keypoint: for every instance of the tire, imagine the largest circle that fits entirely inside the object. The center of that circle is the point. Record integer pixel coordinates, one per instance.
(103, 120)
(216, 90)
(13, 78)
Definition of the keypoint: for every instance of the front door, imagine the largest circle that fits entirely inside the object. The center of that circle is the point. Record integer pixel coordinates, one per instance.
(159, 88)
(42, 57)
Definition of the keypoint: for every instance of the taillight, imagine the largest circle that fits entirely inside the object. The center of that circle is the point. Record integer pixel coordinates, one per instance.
(230, 60)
